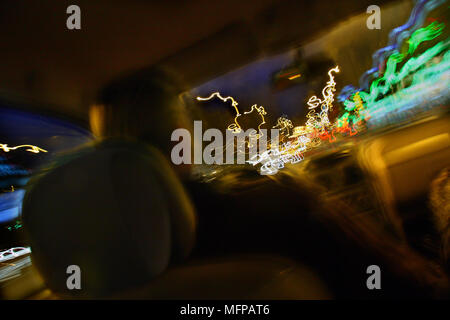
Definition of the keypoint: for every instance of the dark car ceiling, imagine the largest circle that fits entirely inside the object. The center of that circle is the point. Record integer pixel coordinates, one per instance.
(49, 67)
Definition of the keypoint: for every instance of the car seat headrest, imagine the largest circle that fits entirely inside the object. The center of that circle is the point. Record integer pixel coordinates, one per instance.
(116, 210)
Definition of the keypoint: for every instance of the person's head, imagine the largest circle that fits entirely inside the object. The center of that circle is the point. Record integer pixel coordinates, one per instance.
(145, 105)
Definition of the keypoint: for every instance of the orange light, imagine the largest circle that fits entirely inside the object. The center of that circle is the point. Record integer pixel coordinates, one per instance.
(295, 76)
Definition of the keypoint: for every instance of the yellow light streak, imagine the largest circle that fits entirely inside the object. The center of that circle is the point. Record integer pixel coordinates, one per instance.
(284, 124)
(302, 137)
(236, 127)
(320, 119)
(262, 112)
(31, 148)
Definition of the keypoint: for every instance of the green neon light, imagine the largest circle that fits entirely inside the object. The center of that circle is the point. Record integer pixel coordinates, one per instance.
(430, 32)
